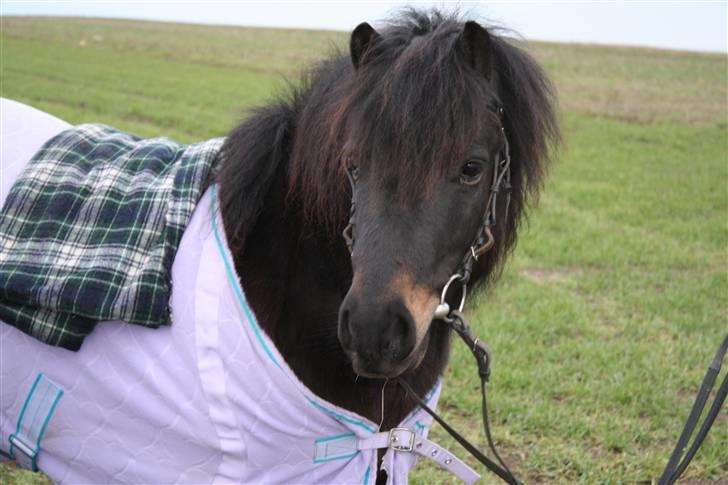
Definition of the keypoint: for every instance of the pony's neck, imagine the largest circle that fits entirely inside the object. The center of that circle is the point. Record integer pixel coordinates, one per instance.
(295, 278)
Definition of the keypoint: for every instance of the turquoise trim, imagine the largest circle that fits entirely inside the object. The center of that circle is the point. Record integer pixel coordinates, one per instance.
(27, 400)
(340, 416)
(322, 460)
(251, 318)
(421, 427)
(234, 280)
(334, 438)
(24, 438)
(366, 475)
(22, 412)
(48, 418)
(330, 438)
(427, 399)
(32, 425)
(433, 390)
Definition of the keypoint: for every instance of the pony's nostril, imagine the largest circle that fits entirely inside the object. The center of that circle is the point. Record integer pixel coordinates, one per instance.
(406, 332)
(380, 335)
(390, 347)
(399, 342)
(345, 329)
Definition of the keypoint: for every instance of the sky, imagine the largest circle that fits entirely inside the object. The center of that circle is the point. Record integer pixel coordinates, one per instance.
(684, 25)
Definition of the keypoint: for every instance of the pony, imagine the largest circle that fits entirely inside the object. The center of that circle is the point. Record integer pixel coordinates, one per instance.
(413, 109)
(345, 206)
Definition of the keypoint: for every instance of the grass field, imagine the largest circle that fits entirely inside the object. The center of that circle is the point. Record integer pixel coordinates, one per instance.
(605, 320)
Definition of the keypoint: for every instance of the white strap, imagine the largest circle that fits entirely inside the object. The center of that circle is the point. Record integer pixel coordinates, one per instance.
(403, 440)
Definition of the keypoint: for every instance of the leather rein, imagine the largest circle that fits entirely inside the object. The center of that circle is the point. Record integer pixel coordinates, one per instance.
(482, 242)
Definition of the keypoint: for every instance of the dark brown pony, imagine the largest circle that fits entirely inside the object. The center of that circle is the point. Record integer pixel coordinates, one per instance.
(412, 112)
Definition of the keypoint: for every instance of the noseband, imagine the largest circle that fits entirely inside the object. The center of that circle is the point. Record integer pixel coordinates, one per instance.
(482, 243)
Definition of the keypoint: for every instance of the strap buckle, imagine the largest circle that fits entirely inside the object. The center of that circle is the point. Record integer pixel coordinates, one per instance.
(406, 440)
(23, 453)
(401, 439)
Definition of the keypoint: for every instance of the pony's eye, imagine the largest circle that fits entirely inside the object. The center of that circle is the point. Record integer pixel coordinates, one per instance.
(471, 172)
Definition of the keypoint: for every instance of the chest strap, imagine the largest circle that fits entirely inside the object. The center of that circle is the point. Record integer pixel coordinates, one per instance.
(403, 440)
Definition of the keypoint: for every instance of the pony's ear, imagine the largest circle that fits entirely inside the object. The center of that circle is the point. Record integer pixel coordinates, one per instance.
(474, 44)
(362, 39)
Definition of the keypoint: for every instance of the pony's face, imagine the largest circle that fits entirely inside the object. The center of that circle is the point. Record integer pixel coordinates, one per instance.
(421, 185)
(404, 251)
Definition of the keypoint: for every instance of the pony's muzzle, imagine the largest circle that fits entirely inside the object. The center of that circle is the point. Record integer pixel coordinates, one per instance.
(379, 337)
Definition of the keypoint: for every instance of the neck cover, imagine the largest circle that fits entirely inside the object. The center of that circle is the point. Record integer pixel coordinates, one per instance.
(207, 399)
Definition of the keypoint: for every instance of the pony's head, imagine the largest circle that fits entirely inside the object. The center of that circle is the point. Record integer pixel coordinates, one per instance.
(417, 124)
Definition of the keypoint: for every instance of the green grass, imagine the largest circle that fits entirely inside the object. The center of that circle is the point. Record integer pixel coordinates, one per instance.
(608, 314)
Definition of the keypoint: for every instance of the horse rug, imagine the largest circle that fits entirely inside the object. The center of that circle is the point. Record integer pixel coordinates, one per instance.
(206, 399)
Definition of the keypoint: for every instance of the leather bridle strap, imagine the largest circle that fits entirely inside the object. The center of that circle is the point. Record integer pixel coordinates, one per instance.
(675, 467)
(482, 356)
(490, 464)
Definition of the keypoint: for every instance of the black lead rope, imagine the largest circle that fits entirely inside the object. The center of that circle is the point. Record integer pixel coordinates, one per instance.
(675, 467)
(482, 356)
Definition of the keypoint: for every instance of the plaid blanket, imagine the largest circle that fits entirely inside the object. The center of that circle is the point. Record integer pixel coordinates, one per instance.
(90, 229)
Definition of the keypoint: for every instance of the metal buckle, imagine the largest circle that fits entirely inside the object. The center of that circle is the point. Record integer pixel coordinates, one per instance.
(395, 439)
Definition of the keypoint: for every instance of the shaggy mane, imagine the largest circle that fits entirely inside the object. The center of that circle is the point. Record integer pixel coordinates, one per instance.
(414, 107)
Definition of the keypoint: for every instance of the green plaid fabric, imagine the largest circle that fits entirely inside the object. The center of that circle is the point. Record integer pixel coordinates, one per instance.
(89, 231)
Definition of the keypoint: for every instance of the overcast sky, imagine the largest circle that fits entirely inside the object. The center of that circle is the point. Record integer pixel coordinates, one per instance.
(692, 25)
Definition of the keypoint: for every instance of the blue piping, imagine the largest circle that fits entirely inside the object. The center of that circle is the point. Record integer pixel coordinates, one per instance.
(253, 322)
(234, 280)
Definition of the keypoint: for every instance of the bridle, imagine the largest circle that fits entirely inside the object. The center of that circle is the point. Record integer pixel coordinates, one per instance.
(483, 240)
(482, 243)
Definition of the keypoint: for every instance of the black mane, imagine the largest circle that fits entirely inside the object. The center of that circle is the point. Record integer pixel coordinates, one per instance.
(457, 104)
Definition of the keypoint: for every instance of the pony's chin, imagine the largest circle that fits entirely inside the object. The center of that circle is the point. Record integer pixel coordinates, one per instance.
(362, 370)
(409, 364)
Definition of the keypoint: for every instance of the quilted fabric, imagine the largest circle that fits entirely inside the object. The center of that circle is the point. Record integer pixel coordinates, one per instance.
(207, 399)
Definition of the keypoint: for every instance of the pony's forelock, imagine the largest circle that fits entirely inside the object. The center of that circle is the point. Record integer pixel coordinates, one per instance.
(414, 107)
